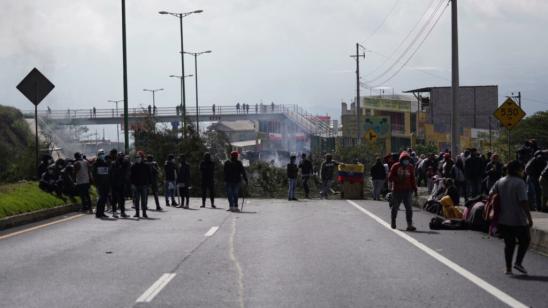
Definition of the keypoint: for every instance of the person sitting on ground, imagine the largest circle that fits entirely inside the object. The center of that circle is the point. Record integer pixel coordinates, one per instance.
(450, 200)
(292, 172)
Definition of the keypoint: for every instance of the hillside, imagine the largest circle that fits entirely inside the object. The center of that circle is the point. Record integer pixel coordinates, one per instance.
(16, 146)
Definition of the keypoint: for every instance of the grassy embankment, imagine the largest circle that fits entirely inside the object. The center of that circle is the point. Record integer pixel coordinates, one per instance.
(25, 197)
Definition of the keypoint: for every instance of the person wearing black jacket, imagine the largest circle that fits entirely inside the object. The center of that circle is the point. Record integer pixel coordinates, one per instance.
(183, 182)
(234, 172)
(493, 171)
(534, 169)
(140, 179)
(207, 171)
(378, 176)
(119, 185)
(306, 173)
(473, 171)
(292, 172)
(101, 175)
(170, 174)
(154, 180)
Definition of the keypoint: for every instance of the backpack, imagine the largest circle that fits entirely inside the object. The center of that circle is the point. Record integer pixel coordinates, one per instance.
(434, 207)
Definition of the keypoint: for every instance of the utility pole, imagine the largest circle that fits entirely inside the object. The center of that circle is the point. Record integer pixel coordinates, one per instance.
(124, 52)
(358, 109)
(455, 136)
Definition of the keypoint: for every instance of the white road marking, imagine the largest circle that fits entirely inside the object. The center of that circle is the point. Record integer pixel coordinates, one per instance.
(500, 295)
(237, 265)
(40, 226)
(154, 289)
(211, 231)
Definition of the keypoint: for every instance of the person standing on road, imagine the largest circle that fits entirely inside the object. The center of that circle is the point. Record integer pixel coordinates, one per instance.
(378, 176)
(234, 172)
(140, 180)
(543, 181)
(83, 178)
(473, 172)
(183, 182)
(292, 173)
(154, 171)
(514, 218)
(533, 169)
(306, 172)
(207, 171)
(119, 184)
(101, 176)
(402, 177)
(170, 174)
(327, 171)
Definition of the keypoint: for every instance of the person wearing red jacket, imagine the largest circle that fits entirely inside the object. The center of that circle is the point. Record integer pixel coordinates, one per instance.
(402, 178)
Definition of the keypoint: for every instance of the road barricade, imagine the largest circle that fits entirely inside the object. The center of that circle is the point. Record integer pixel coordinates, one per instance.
(350, 176)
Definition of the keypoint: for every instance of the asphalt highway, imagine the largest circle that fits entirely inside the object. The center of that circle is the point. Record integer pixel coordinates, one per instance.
(313, 253)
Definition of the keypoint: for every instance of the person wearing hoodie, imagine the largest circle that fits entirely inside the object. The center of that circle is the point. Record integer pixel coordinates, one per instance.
(533, 170)
(119, 185)
(170, 174)
(154, 171)
(234, 172)
(207, 171)
(378, 176)
(101, 175)
(402, 177)
(292, 172)
(140, 180)
(183, 182)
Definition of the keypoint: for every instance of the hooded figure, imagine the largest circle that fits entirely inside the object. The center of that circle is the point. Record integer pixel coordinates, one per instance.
(207, 171)
(233, 173)
(101, 176)
(402, 177)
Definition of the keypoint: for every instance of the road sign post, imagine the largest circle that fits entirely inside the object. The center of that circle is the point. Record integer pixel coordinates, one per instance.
(35, 87)
(509, 115)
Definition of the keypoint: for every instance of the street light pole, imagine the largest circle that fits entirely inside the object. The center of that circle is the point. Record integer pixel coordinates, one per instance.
(455, 132)
(196, 54)
(183, 94)
(153, 91)
(117, 130)
(124, 52)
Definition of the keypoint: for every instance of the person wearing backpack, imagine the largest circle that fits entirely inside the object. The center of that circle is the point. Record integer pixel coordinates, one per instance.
(402, 177)
(513, 216)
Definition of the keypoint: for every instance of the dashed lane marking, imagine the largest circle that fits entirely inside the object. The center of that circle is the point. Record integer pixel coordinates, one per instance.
(155, 288)
(40, 226)
(489, 288)
(211, 231)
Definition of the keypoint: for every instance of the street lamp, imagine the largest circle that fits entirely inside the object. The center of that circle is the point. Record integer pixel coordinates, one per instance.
(183, 96)
(153, 91)
(196, 54)
(117, 130)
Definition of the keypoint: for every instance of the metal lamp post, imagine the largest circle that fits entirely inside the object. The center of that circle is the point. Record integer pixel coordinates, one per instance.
(183, 96)
(196, 54)
(153, 91)
(117, 130)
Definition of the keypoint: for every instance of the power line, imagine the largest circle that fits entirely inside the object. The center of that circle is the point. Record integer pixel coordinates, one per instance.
(384, 20)
(418, 70)
(418, 46)
(433, 11)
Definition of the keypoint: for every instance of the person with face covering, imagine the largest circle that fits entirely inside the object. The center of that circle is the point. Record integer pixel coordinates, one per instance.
(154, 169)
(83, 178)
(207, 171)
(402, 177)
(170, 174)
(101, 176)
(140, 179)
(119, 184)
(234, 172)
(183, 182)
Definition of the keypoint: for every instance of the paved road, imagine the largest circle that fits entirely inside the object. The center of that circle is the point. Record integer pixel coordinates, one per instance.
(277, 254)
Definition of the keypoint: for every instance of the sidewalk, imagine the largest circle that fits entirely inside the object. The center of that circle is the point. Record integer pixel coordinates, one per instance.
(539, 232)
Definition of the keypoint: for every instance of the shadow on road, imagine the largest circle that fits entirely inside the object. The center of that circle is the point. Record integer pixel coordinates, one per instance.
(531, 278)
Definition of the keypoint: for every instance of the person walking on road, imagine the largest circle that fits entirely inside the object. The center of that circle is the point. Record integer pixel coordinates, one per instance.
(183, 182)
(170, 174)
(83, 178)
(292, 173)
(140, 180)
(101, 176)
(402, 178)
(378, 176)
(119, 185)
(306, 172)
(234, 172)
(207, 171)
(327, 171)
(514, 217)
(154, 171)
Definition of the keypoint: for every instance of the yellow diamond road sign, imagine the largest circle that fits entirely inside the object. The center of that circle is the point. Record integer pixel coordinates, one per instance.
(509, 114)
(371, 135)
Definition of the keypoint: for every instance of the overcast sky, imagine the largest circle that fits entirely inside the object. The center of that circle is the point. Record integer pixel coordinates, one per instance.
(289, 52)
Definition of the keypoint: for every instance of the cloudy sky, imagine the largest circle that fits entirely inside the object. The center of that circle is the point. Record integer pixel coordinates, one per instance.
(289, 52)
